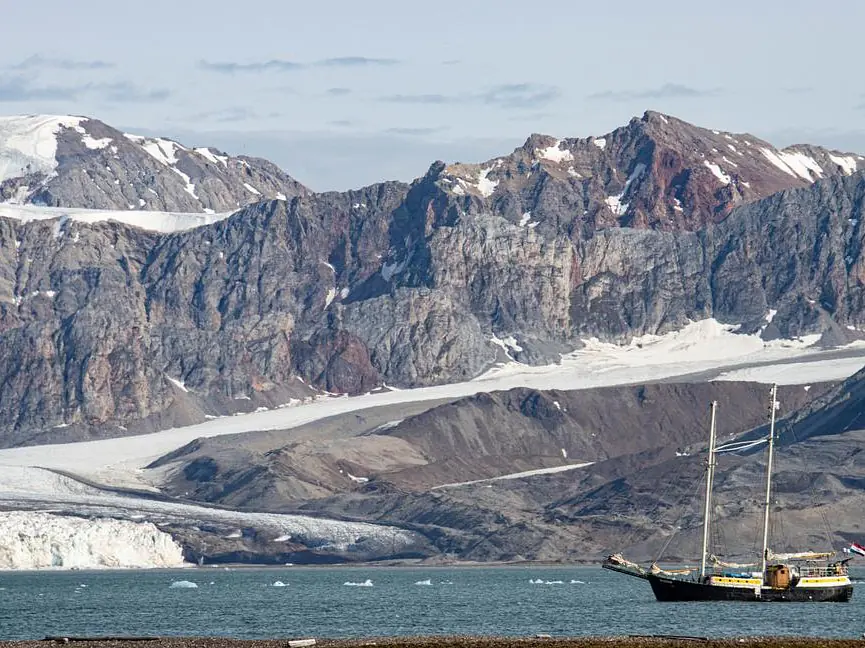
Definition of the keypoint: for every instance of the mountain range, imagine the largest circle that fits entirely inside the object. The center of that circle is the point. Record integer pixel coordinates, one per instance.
(108, 328)
(147, 285)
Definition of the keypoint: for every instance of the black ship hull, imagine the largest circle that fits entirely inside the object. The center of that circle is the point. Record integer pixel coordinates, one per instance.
(672, 589)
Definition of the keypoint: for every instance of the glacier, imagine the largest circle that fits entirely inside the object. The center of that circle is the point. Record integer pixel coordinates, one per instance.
(37, 540)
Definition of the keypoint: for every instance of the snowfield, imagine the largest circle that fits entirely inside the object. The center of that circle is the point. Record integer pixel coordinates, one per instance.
(706, 348)
(155, 221)
(28, 144)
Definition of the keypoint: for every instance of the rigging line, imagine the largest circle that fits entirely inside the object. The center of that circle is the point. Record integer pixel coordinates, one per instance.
(818, 505)
(650, 514)
(738, 446)
(676, 527)
(780, 530)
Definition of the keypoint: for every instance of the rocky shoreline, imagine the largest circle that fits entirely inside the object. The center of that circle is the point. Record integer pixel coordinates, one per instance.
(455, 642)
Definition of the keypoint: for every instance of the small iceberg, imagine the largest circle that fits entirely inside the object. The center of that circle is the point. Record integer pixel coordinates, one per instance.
(366, 583)
(279, 584)
(428, 581)
(184, 584)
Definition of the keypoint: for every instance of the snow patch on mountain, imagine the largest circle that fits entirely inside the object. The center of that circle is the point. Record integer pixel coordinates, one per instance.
(846, 162)
(29, 144)
(717, 172)
(37, 540)
(163, 151)
(210, 156)
(802, 165)
(556, 153)
(154, 221)
(485, 185)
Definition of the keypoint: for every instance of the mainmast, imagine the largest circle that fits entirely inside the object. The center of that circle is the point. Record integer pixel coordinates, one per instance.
(773, 407)
(710, 474)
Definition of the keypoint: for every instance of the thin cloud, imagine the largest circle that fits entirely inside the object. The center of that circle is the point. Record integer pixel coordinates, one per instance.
(273, 65)
(283, 65)
(338, 92)
(416, 132)
(666, 91)
(433, 99)
(232, 115)
(37, 62)
(20, 88)
(124, 92)
(512, 96)
(341, 123)
(353, 61)
(520, 95)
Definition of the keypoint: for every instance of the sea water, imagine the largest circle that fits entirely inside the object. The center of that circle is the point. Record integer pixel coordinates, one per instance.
(383, 601)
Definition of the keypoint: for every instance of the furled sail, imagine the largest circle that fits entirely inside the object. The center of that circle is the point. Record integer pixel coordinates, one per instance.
(801, 555)
(721, 563)
(619, 559)
(655, 569)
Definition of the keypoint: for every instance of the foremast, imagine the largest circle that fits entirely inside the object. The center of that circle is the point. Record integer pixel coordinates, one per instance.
(773, 407)
(710, 475)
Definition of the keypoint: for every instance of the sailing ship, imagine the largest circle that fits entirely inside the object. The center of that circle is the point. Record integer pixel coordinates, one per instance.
(803, 576)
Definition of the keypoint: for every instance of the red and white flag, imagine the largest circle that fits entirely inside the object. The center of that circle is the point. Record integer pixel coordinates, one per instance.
(857, 549)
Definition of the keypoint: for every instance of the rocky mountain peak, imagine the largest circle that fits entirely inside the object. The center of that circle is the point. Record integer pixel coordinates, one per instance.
(73, 161)
(657, 172)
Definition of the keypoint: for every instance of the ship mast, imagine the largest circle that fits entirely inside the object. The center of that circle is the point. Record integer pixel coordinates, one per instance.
(772, 409)
(710, 475)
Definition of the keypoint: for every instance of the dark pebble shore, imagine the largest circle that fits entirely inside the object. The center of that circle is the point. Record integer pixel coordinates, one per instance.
(453, 641)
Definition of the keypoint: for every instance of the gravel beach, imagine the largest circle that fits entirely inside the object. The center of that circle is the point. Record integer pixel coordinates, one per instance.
(459, 642)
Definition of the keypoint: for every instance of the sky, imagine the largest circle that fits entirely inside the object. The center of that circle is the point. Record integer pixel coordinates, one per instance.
(343, 93)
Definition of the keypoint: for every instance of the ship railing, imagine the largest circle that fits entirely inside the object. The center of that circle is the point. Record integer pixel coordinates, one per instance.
(820, 572)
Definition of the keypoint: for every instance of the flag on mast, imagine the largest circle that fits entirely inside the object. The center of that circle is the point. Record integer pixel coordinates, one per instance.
(856, 548)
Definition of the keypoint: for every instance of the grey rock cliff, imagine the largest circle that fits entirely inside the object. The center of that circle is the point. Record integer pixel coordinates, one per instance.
(106, 329)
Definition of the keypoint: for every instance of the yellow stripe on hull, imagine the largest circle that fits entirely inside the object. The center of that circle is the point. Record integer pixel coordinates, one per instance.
(736, 582)
(823, 581)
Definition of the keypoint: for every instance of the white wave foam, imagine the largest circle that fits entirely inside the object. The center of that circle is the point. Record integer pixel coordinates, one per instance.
(577, 582)
(428, 581)
(279, 584)
(183, 584)
(366, 583)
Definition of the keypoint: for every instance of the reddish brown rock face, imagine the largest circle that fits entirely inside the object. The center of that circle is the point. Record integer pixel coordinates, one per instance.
(658, 172)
